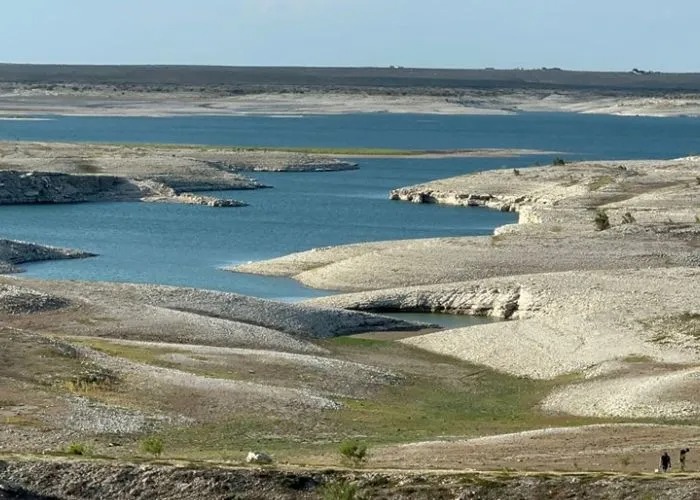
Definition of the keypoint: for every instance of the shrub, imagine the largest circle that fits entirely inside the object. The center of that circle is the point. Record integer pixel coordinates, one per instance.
(91, 380)
(152, 445)
(77, 449)
(558, 161)
(339, 490)
(628, 218)
(353, 451)
(602, 221)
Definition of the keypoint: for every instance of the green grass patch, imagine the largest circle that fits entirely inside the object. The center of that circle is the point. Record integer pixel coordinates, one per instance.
(131, 352)
(344, 151)
(439, 397)
(80, 449)
(21, 421)
(664, 327)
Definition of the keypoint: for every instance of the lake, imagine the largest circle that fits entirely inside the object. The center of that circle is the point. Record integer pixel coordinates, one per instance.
(188, 245)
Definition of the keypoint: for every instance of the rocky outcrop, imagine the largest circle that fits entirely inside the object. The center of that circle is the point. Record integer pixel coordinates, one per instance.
(202, 312)
(50, 187)
(18, 300)
(258, 457)
(418, 195)
(498, 300)
(194, 199)
(13, 253)
(300, 163)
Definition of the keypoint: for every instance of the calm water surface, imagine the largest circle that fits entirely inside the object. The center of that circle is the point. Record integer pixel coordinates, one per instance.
(185, 245)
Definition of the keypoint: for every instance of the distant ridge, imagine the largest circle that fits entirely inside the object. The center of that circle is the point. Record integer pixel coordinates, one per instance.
(248, 78)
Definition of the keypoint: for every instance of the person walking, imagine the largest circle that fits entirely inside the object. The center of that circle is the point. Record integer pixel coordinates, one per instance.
(665, 462)
(682, 458)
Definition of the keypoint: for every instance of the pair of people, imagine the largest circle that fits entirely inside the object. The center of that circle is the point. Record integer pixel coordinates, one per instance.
(666, 460)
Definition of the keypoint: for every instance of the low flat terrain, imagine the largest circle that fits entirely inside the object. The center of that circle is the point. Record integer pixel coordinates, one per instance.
(384, 78)
(175, 90)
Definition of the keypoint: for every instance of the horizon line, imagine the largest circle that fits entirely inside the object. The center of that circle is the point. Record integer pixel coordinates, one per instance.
(394, 67)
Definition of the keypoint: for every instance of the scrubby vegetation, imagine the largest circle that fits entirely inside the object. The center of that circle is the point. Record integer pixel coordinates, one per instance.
(602, 221)
(339, 490)
(77, 449)
(153, 445)
(353, 451)
(628, 218)
(558, 161)
(90, 380)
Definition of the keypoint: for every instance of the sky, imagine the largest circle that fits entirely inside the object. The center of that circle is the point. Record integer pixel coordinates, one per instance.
(657, 35)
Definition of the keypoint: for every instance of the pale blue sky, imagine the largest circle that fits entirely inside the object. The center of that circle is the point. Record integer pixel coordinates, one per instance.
(574, 34)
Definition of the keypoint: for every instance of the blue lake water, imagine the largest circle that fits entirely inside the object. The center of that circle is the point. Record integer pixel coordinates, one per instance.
(186, 245)
(589, 136)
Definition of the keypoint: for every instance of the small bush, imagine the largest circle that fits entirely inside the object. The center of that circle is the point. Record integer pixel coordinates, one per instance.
(353, 451)
(91, 380)
(602, 221)
(152, 445)
(77, 449)
(339, 490)
(558, 161)
(628, 218)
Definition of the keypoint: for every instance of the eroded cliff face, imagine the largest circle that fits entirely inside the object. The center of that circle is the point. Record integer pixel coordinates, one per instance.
(51, 187)
(418, 195)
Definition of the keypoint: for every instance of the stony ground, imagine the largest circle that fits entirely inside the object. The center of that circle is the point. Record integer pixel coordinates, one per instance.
(85, 480)
(99, 359)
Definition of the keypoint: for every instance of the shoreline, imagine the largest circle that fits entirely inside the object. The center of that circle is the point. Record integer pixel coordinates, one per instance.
(34, 103)
(589, 272)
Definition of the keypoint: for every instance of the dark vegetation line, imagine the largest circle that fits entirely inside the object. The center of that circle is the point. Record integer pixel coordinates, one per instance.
(251, 79)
